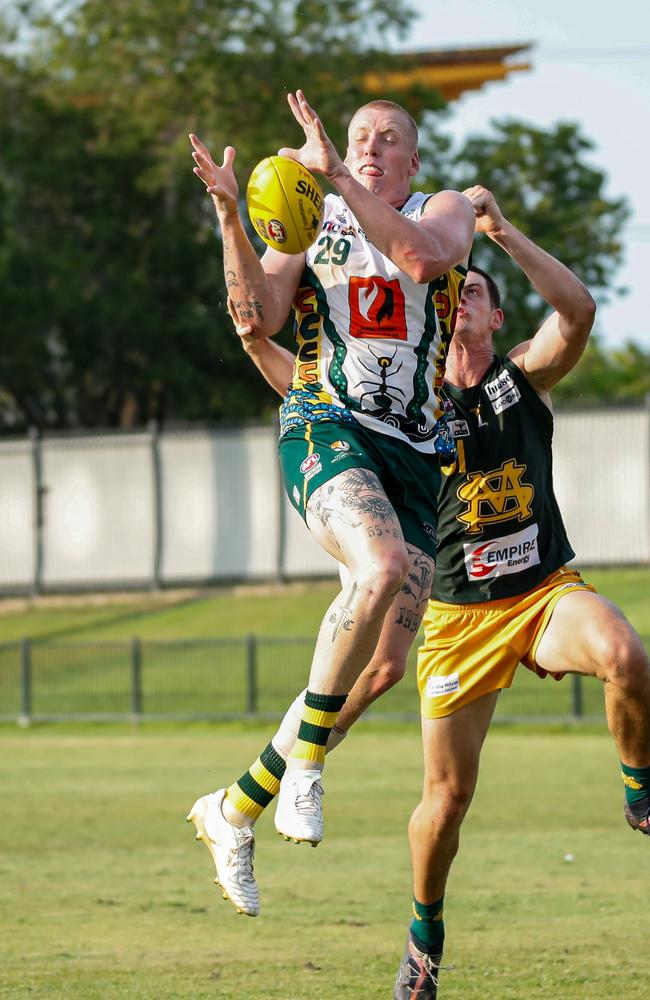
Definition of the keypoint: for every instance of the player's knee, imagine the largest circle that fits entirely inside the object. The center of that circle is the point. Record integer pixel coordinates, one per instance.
(448, 804)
(387, 674)
(623, 660)
(382, 578)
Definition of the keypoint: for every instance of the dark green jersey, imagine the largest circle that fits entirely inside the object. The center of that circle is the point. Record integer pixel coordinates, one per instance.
(500, 531)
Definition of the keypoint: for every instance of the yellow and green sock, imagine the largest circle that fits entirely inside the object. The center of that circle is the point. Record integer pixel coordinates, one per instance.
(318, 718)
(637, 783)
(251, 794)
(427, 926)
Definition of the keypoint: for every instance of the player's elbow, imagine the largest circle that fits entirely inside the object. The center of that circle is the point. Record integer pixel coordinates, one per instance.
(432, 266)
(582, 312)
(587, 308)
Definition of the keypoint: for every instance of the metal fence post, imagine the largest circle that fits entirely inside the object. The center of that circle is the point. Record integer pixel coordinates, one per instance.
(577, 708)
(39, 504)
(154, 434)
(136, 680)
(251, 674)
(25, 716)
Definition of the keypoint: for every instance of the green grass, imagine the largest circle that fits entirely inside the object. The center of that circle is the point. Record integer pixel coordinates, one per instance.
(104, 894)
(292, 611)
(194, 654)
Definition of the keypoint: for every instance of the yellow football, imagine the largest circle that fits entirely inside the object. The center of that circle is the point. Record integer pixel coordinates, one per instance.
(285, 203)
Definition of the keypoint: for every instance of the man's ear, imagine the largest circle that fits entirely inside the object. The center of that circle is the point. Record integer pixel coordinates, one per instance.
(497, 320)
(415, 164)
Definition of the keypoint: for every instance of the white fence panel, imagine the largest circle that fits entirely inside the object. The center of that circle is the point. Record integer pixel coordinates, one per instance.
(213, 507)
(99, 511)
(302, 556)
(17, 515)
(220, 505)
(602, 482)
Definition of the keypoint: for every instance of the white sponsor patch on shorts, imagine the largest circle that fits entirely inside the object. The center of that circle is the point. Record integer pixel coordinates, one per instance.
(508, 554)
(439, 686)
(296, 494)
(502, 392)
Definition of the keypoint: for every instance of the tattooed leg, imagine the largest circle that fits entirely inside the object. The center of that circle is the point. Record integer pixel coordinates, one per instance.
(401, 624)
(351, 517)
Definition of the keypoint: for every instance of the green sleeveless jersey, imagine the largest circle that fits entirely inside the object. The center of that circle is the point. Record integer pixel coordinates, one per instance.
(500, 531)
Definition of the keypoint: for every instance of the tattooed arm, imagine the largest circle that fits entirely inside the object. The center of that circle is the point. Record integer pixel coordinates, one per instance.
(261, 291)
(270, 358)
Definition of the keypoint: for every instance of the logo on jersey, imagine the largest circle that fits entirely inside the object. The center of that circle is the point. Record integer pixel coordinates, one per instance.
(458, 428)
(502, 392)
(501, 556)
(340, 446)
(376, 308)
(495, 496)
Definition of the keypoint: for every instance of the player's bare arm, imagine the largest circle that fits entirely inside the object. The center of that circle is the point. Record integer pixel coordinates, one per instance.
(559, 343)
(374, 180)
(272, 360)
(262, 298)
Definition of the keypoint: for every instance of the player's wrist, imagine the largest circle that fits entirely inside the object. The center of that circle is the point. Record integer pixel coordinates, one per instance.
(227, 210)
(340, 175)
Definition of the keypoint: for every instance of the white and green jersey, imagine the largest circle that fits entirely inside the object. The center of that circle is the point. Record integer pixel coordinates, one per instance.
(371, 343)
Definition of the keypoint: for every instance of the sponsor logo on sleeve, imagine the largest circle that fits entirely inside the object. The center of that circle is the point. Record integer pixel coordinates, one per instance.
(437, 687)
(501, 556)
(502, 392)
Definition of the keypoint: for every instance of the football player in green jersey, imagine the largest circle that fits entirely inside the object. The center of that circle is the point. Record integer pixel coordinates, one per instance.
(503, 596)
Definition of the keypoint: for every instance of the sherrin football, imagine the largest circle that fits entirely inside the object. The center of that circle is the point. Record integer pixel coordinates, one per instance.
(285, 203)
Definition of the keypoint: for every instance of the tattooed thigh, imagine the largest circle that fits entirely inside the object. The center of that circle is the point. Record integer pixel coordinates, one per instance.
(354, 500)
(411, 602)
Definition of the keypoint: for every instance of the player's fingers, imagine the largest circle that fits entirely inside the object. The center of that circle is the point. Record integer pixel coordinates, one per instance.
(199, 173)
(198, 145)
(204, 162)
(229, 154)
(231, 310)
(296, 109)
(293, 154)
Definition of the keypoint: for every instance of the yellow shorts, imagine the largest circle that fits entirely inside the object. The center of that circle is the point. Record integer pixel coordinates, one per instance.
(471, 649)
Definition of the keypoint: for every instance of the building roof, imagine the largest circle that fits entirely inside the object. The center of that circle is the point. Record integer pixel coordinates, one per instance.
(450, 71)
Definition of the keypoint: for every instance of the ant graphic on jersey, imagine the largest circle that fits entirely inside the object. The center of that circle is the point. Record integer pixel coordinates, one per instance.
(386, 394)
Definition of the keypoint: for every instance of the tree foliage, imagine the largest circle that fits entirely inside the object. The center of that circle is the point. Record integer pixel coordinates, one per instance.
(546, 187)
(110, 270)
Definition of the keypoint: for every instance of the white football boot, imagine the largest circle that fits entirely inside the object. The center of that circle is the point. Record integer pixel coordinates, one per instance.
(299, 812)
(232, 849)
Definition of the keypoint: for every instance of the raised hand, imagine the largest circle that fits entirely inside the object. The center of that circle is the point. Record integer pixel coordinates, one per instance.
(489, 218)
(318, 152)
(219, 181)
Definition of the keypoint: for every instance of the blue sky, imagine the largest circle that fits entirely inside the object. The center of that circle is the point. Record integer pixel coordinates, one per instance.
(591, 65)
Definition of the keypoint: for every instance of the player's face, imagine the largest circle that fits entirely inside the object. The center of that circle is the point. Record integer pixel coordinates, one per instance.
(381, 153)
(475, 311)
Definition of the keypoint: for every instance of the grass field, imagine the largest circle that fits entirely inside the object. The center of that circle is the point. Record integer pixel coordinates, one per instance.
(194, 654)
(105, 894)
(291, 611)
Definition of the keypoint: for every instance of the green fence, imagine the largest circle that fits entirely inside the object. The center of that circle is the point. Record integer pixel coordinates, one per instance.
(250, 677)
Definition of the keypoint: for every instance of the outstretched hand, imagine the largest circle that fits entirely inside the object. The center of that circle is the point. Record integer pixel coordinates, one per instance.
(318, 152)
(489, 217)
(219, 181)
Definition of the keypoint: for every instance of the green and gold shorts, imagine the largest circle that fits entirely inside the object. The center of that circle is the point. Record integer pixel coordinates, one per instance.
(315, 453)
